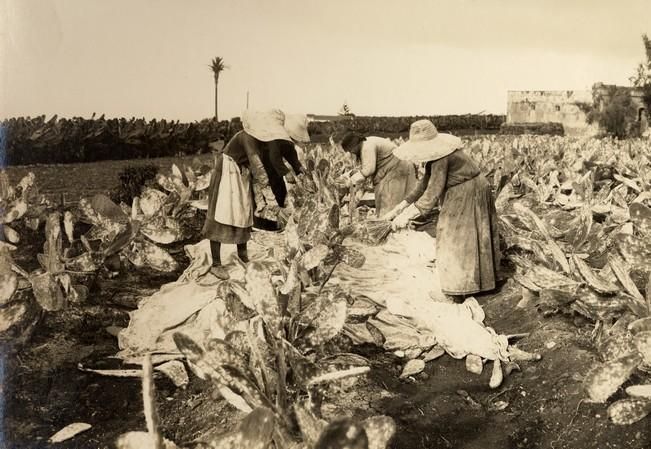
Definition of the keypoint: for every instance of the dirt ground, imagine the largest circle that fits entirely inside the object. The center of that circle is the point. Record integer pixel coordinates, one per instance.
(72, 181)
(444, 407)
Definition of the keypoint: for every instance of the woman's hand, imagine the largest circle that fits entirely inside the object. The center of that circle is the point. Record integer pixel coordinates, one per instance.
(393, 213)
(289, 177)
(402, 220)
(353, 178)
(357, 177)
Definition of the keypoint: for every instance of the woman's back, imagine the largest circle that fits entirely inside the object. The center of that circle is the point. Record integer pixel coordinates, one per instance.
(383, 148)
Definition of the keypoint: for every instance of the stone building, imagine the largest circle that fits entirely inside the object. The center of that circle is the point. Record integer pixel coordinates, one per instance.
(568, 107)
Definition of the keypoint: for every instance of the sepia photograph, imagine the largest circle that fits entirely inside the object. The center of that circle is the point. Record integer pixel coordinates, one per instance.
(334, 224)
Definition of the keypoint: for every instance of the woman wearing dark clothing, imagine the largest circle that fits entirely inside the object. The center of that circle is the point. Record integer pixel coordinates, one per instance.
(280, 150)
(467, 238)
(252, 158)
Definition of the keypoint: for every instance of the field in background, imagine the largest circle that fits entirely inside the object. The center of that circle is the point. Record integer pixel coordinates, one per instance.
(67, 183)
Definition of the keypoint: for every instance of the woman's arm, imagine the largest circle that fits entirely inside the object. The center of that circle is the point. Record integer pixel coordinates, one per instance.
(251, 147)
(411, 198)
(424, 197)
(419, 188)
(291, 155)
(437, 178)
(275, 149)
(368, 155)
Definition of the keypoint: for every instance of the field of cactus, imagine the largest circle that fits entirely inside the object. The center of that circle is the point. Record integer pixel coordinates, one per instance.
(285, 371)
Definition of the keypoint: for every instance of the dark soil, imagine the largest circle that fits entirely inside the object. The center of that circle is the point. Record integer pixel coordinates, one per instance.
(443, 407)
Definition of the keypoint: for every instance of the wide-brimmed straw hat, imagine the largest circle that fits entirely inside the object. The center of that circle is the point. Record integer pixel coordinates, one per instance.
(426, 143)
(265, 125)
(296, 127)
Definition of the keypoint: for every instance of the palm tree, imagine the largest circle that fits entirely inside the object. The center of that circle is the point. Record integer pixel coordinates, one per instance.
(217, 66)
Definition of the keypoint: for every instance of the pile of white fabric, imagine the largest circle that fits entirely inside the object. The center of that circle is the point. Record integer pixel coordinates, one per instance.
(419, 322)
(410, 312)
(190, 305)
(402, 267)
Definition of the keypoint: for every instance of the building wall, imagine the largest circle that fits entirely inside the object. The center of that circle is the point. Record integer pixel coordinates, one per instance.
(559, 106)
(562, 106)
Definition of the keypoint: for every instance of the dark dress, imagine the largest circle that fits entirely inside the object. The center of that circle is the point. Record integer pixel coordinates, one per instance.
(265, 161)
(467, 238)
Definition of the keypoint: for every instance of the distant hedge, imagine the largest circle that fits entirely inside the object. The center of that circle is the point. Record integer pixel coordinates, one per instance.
(554, 129)
(399, 125)
(36, 140)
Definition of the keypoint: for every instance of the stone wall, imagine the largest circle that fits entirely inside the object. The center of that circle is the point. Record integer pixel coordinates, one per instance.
(558, 106)
(565, 107)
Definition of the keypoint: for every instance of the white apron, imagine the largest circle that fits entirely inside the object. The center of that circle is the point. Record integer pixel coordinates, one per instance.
(234, 205)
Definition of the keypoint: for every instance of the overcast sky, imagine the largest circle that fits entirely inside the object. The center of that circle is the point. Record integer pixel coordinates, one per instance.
(150, 57)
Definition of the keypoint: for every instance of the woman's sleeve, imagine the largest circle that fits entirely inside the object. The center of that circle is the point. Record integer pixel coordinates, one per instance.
(418, 189)
(275, 149)
(438, 173)
(255, 163)
(369, 159)
(291, 155)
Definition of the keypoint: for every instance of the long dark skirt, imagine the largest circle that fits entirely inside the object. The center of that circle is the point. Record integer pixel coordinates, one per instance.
(394, 187)
(213, 230)
(467, 239)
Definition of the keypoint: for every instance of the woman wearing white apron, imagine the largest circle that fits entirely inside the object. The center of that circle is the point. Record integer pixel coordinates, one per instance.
(254, 155)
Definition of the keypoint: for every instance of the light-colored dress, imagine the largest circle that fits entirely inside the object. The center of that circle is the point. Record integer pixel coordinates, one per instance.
(393, 178)
(467, 237)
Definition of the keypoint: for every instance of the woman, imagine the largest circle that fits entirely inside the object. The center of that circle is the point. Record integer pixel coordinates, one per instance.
(393, 178)
(467, 242)
(252, 158)
(296, 127)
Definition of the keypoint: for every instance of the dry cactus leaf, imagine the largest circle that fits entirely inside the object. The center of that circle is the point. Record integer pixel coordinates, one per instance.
(497, 376)
(604, 380)
(474, 364)
(69, 431)
(629, 411)
(343, 433)
(379, 431)
(639, 391)
(311, 426)
(412, 367)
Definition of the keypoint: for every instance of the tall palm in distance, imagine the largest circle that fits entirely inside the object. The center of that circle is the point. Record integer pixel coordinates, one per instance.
(217, 66)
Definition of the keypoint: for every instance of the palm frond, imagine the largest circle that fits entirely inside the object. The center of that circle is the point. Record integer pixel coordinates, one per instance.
(217, 65)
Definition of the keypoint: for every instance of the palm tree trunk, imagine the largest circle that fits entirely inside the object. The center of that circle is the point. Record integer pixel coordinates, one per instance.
(216, 97)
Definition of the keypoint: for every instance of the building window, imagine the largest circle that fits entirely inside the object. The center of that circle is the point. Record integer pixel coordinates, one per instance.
(558, 108)
(533, 107)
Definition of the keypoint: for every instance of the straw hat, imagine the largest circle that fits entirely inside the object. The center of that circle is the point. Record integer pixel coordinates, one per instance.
(426, 143)
(265, 125)
(296, 127)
